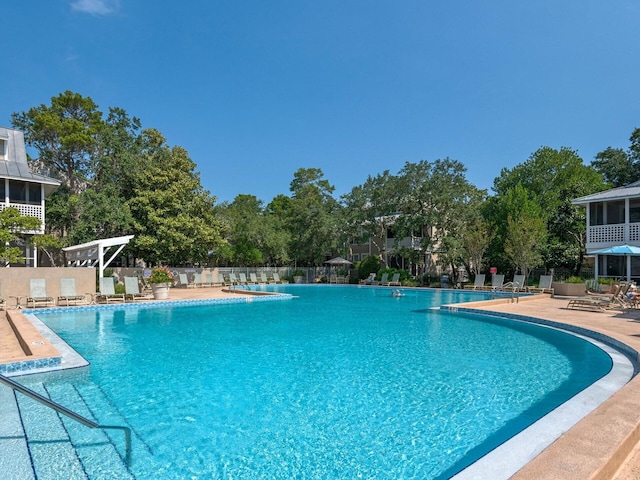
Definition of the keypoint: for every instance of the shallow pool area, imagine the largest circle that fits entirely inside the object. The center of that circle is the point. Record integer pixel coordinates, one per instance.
(339, 382)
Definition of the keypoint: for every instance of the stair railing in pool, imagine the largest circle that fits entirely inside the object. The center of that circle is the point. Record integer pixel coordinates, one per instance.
(73, 415)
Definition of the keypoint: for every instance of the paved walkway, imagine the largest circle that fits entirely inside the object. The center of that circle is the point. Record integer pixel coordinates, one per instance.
(604, 445)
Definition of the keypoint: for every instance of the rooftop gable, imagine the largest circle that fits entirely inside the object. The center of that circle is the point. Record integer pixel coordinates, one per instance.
(13, 161)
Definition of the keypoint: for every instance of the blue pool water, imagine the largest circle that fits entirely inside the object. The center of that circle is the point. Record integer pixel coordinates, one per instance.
(341, 382)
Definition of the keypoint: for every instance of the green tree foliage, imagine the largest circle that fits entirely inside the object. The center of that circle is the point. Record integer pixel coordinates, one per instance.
(12, 223)
(552, 179)
(174, 220)
(49, 244)
(436, 203)
(476, 238)
(313, 214)
(619, 167)
(371, 210)
(64, 134)
(247, 230)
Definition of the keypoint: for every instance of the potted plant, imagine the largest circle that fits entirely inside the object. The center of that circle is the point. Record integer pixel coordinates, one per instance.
(160, 280)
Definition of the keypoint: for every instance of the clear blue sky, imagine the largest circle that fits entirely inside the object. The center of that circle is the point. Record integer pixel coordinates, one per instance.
(255, 90)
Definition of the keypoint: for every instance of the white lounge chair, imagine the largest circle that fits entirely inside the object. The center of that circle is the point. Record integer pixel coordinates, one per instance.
(184, 281)
(108, 291)
(253, 278)
(132, 290)
(478, 282)
(263, 278)
(395, 280)
(38, 293)
(544, 286)
(68, 294)
(516, 285)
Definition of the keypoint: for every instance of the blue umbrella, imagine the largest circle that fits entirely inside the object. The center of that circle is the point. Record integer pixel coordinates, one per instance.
(618, 250)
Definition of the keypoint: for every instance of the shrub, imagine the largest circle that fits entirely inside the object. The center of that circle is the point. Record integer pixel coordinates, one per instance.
(371, 264)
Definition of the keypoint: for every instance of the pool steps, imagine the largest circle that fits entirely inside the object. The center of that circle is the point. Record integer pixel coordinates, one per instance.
(74, 447)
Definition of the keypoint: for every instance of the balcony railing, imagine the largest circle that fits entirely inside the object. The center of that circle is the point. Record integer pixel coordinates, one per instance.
(613, 234)
(29, 211)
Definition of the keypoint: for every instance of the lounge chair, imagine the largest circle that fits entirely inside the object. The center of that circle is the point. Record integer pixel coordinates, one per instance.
(544, 286)
(243, 279)
(108, 291)
(263, 278)
(370, 280)
(68, 294)
(497, 280)
(184, 281)
(478, 283)
(276, 278)
(253, 278)
(197, 280)
(384, 280)
(38, 293)
(395, 280)
(132, 290)
(233, 280)
(516, 285)
(603, 302)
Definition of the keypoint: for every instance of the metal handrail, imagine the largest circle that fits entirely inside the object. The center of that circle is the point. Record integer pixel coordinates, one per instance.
(73, 415)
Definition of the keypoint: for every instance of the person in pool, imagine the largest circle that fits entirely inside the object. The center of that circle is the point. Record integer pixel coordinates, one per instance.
(396, 293)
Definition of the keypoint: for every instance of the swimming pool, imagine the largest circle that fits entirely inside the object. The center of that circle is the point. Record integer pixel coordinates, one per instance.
(339, 383)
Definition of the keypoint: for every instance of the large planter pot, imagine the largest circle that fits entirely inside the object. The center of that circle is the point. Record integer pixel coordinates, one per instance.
(569, 289)
(160, 291)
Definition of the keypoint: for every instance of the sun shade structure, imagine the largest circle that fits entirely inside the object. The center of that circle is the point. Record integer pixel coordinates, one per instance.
(94, 253)
(338, 261)
(618, 250)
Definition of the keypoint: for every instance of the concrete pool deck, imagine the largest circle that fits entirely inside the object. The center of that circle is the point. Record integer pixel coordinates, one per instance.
(603, 445)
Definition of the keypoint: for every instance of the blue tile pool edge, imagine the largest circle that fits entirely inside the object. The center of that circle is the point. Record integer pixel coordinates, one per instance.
(509, 457)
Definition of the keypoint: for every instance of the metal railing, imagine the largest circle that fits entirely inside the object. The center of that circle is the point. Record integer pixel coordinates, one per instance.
(73, 415)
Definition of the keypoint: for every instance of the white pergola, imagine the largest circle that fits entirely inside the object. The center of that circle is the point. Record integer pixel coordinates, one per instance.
(93, 253)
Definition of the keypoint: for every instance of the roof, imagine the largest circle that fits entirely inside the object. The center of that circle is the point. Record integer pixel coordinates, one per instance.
(620, 193)
(15, 167)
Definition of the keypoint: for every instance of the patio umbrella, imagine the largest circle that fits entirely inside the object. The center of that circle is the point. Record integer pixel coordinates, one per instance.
(338, 261)
(621, 250)
(618, 250)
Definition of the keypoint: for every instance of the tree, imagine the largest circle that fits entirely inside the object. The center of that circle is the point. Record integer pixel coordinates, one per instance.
(476, 239)
(247, 230)
(619, 167)
(371, 210)
(313, 217)
(49, 244)
(525, 239)
(174, 217)
(552, 179)
(436, 202)
(65, 136)
(12, 224)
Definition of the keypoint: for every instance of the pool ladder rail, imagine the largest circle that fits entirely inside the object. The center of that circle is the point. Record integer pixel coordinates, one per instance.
(73, 415)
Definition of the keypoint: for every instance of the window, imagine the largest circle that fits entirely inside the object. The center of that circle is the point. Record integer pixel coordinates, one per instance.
(596, 213)
(17, 191)
(615, 212)
(3, 192)
(4, 148)
(35, 194)
(634, 210)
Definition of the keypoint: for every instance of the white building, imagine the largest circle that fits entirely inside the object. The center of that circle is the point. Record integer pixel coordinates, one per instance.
(613, 219)
(20, 188)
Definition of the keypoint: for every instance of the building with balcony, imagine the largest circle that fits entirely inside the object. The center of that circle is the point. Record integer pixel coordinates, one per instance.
(22, 189)
(613, 219)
